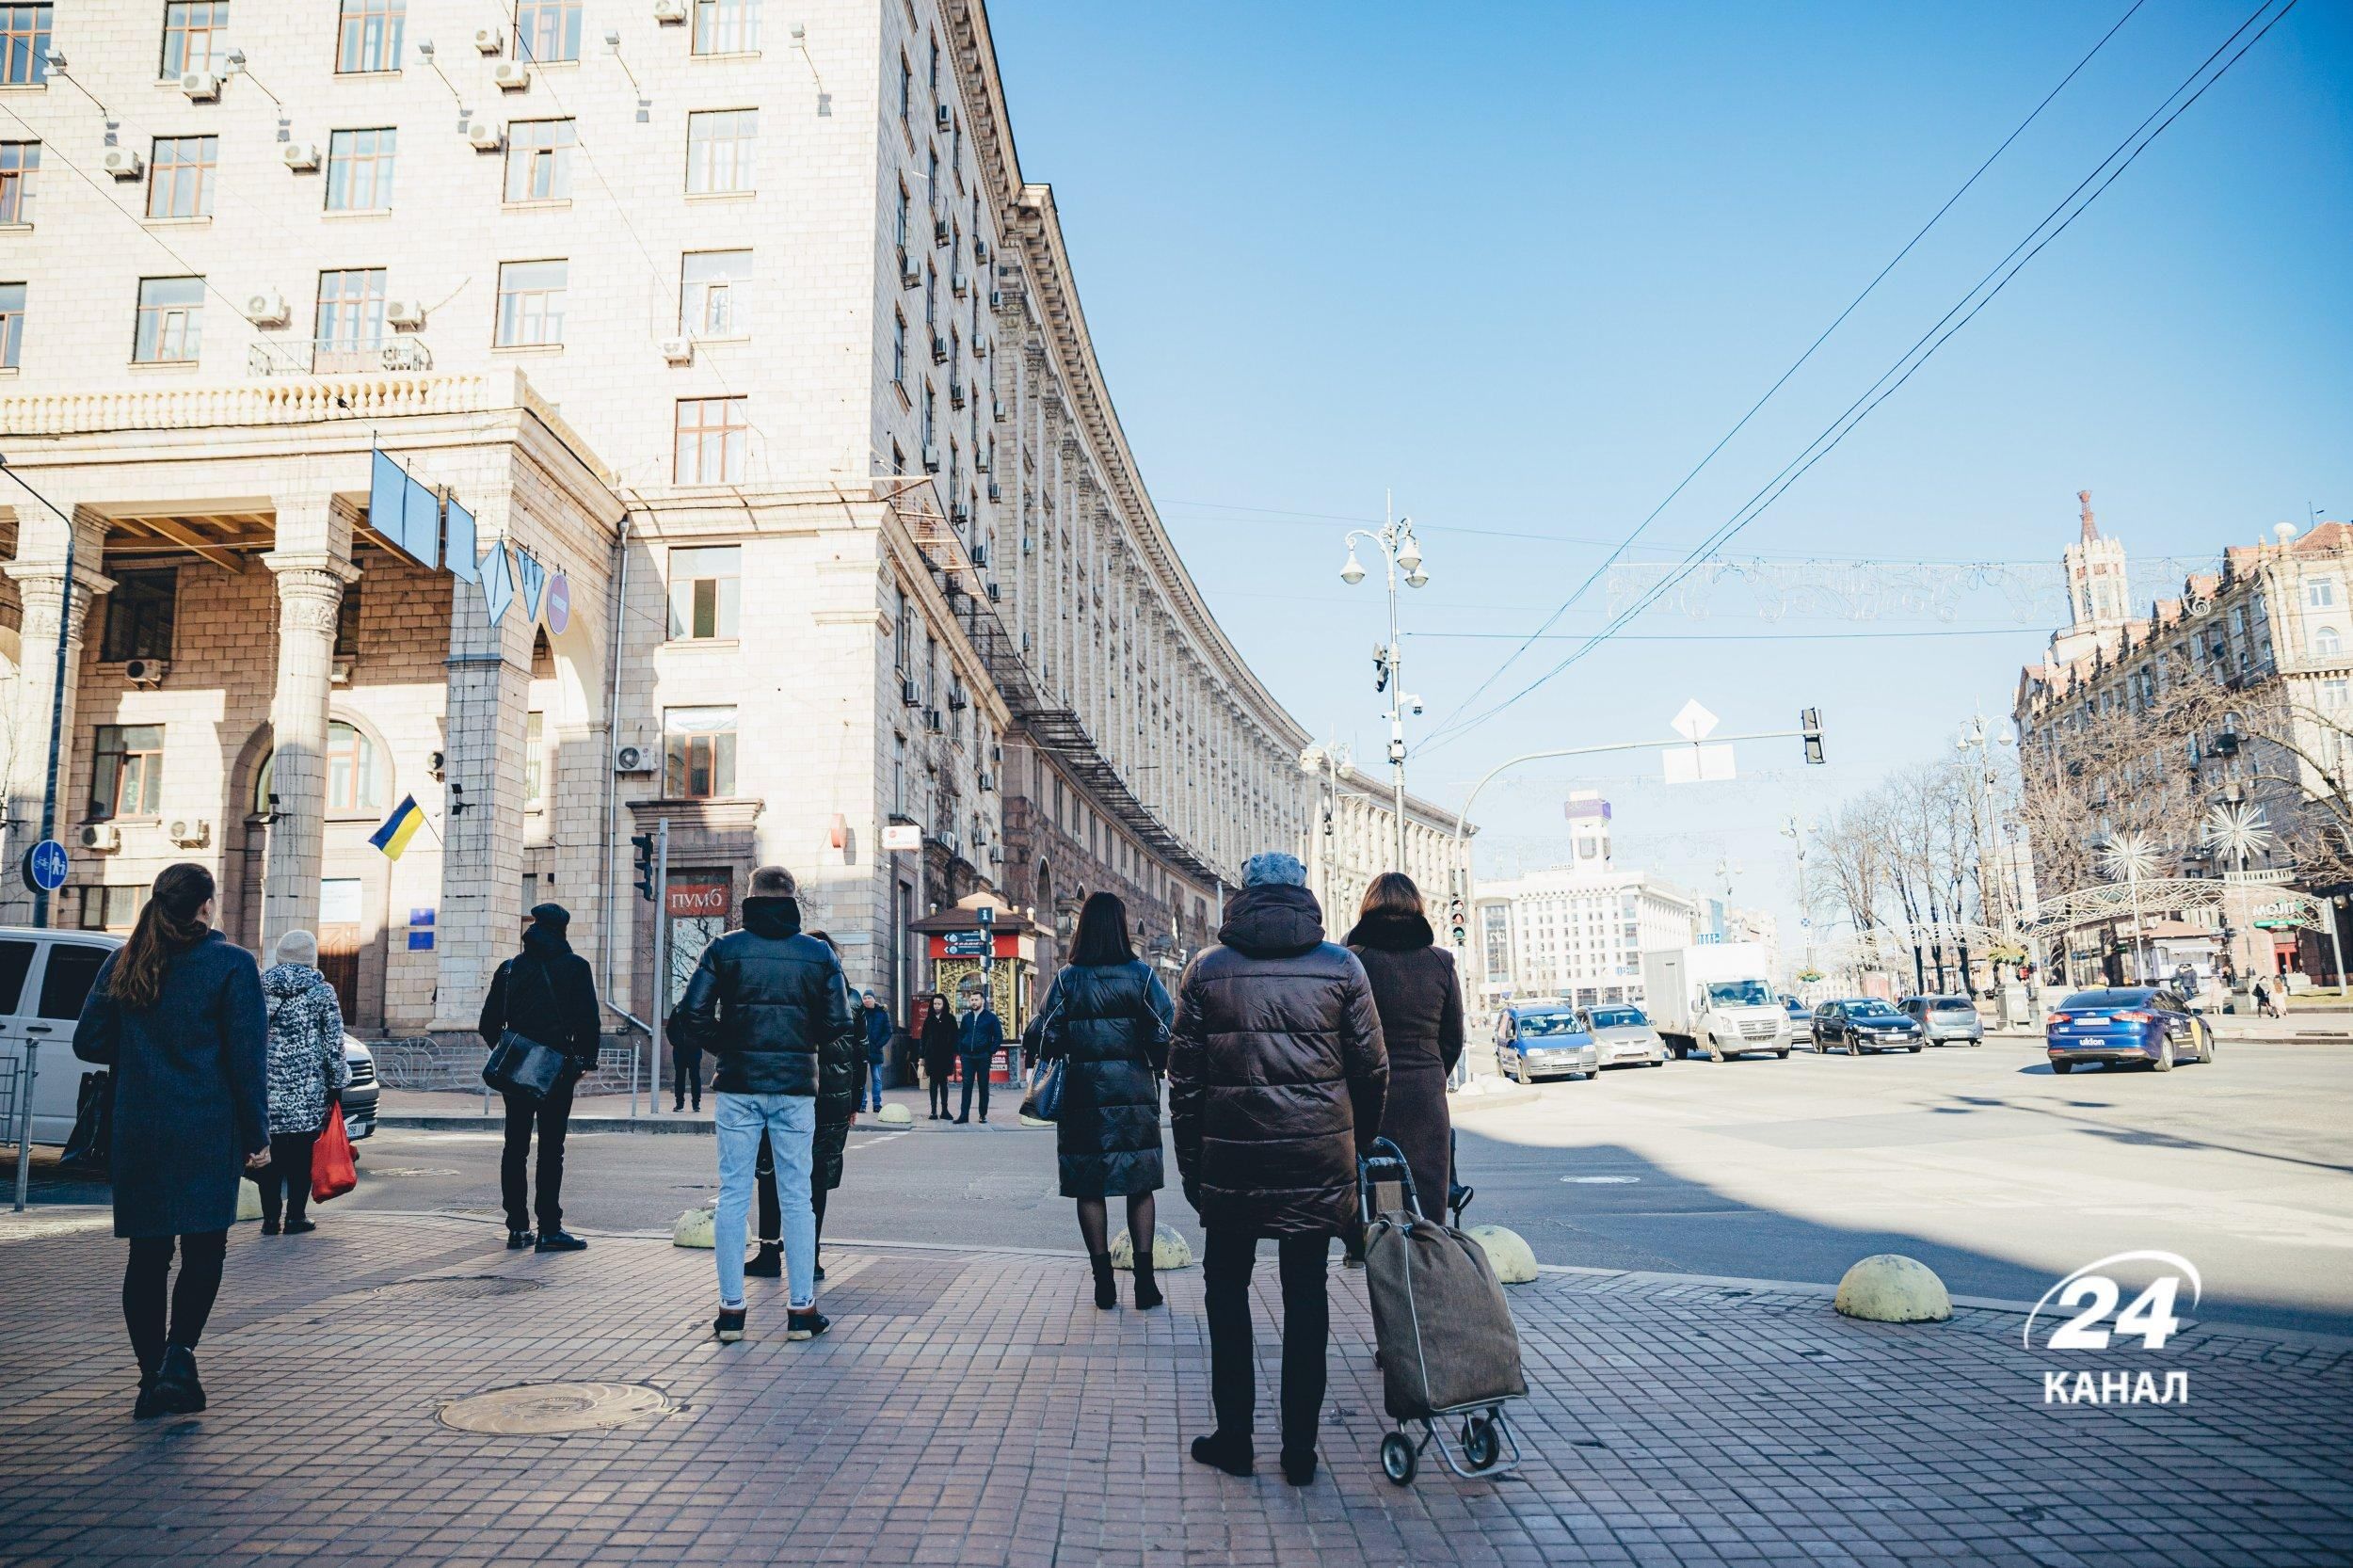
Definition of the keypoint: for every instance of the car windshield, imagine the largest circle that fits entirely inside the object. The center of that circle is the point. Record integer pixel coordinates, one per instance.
(1547, 1023)
(2090, 1001)
(1951, 1004)
(1618, 1018)
(1739, 993)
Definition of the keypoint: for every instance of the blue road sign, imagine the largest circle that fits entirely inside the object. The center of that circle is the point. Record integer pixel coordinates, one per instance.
(967, 944)
(46, 866)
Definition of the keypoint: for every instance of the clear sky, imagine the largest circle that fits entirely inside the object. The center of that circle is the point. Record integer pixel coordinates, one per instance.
(1525, 264)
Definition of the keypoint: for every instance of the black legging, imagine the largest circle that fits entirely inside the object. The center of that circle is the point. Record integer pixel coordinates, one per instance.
(939, 1094)
(772, 1208)
(686, 1074)
(191, 1294)
(1226, 1265)
(289, 1174)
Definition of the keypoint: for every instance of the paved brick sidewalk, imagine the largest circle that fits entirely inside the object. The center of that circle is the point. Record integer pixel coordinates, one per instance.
(974, 1407)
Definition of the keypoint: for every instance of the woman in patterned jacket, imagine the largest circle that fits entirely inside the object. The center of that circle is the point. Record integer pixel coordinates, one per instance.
(306, 1069)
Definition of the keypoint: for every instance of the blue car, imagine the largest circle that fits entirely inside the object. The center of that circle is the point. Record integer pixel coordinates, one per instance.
(2135, 1025)
(1538, 1038)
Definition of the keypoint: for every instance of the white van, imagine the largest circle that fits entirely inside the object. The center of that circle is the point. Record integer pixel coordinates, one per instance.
(44, 976)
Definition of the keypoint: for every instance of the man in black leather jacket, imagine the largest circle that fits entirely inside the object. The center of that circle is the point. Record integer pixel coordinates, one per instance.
(767, 1001)
(547, 993)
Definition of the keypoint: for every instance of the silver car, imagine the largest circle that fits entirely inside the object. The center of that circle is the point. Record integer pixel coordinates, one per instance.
(1946, 1020)
(1623, 1036)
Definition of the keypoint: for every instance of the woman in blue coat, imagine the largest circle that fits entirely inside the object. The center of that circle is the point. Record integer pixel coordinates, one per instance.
(177, 1015)
(1108, 1020)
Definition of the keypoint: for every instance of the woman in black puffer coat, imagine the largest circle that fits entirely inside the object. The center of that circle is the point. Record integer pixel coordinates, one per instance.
(1421, 1023)
(939, 1045)
(1108, 1020)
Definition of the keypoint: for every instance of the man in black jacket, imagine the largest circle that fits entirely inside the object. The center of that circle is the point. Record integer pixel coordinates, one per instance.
(546, 993)
(768, 1003)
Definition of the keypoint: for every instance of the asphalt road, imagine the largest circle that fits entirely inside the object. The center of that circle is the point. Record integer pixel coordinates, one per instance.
(1981, 1162)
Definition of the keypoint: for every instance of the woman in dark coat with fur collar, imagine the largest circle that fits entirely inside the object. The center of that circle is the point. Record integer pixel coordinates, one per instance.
(1413, 984)
(1108, 1020)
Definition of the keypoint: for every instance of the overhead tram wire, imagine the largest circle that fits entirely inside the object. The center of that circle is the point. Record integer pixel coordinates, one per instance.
(1448, 721)
(1892, 379)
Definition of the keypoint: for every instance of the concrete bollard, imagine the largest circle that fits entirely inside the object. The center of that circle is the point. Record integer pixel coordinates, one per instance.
(1514, 1259)
(1169, 1250)
(1889, 1287)
(693, 1228)
(894, 1115)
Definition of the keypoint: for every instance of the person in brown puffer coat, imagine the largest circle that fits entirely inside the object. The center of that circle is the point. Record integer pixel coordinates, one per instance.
(1422, 1024)
(1277, 1080)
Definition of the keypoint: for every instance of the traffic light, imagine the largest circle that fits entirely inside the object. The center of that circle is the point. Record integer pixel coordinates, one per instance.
(1810, 725)
(644, 865)
(1458, 920)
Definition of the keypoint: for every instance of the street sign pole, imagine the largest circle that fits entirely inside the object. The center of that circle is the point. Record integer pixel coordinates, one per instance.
(56, 726)
(661, 962)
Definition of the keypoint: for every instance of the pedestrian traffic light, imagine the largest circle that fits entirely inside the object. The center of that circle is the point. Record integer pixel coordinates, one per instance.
(1810, 725)
(644, 865)
(1459, 920)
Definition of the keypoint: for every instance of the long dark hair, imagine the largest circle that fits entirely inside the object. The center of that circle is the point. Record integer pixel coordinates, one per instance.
(1391, 893)
(1102, 933)
(167, 926)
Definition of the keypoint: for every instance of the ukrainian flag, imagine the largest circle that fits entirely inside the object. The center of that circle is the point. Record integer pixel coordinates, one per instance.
(398, 828)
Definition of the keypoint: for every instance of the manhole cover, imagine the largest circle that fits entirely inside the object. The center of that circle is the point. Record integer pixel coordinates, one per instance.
(411, 1170)
(550, 1409)
(451, 1287)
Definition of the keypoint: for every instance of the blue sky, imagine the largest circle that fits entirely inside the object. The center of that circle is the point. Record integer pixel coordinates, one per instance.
(1524, 264)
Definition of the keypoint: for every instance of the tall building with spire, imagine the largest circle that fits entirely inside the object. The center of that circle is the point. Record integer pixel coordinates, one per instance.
(2098, 595)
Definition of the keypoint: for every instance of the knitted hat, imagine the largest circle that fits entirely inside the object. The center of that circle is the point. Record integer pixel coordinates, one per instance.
(553, 915)
(297, 947)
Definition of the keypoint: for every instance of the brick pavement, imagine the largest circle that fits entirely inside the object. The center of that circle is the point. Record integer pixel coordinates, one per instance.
(974, 1408)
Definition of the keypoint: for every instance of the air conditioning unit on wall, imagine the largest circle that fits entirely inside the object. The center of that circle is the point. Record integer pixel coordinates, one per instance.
(103, 837)
(146, 672)
(189, 832)
(632, 759)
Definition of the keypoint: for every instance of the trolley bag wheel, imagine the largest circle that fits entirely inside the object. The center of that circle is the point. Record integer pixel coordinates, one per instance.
(1399, 1458)
(1482, 1444)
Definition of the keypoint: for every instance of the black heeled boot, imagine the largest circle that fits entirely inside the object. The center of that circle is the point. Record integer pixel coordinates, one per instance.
(1106, 1287)
(1147, 1290)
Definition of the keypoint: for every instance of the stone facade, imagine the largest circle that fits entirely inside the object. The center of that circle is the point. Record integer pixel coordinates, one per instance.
(762, 340)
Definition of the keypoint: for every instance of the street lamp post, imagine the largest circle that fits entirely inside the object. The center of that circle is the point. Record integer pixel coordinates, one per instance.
(1992, 892)
(1796, 831)
(1398, 548)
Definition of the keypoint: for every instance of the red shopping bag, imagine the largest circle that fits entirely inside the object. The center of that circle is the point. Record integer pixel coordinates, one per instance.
(333, 1172)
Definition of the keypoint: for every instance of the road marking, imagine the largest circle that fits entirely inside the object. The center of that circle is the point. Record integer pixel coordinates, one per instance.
(883, 1138)
(1601, 1180)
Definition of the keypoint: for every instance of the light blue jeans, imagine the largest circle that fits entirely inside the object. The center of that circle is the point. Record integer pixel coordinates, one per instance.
(791, 1122)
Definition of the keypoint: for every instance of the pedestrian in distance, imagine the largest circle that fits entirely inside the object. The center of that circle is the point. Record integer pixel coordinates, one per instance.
(176, 1014)
(308, 1073)
(1108, 1020)
(1420, 1001)
(1276, 1081)
(686, 1075)
(769, 1002)
(939, 1053)
(980, 1036)
(545, 993)
(876, 1019)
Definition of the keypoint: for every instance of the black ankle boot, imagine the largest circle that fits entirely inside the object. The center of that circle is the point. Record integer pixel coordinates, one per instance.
(1106, 1287)
(1148, 1290)
(176, 1391)
(1218, 1452)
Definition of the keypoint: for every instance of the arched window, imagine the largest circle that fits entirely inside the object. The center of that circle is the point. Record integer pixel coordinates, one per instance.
(355, 774)
(2326, 643)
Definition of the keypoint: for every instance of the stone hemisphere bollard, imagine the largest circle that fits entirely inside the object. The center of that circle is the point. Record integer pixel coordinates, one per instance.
(894, 1115)
(1889, 1287)
(1513, 1260)
(1169, 1250)
(693, 1228)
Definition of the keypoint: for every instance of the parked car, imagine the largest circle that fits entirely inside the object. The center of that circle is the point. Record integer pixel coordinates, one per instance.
(1623, 1036)
(1801, 1015)
(2126, 1025)
(1863, 1023)
(1537, 1039)
(361, 1095)
(1945, 1018)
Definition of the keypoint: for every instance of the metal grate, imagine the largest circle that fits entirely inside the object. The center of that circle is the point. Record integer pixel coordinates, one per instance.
(11, 1074)
(455, 1065)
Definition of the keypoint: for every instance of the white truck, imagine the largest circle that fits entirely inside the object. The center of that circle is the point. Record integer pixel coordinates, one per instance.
(1715, 997)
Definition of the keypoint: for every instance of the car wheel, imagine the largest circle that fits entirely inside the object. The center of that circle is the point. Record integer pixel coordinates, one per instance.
(2062, 1067)
(1659, 1063)
(1914, 1049)
(2205, 1048)
(2163, 1062)
(1854, 1047)
(1783, 1054)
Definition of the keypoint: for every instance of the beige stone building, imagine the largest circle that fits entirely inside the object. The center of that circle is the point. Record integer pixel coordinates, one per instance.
(730, 337)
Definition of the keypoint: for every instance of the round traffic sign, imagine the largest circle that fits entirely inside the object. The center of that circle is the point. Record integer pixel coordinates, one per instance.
(559, 603)
(46, 865)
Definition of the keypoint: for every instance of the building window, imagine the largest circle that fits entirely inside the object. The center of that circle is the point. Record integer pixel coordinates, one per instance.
(531, 302)
(539, 160)
(353, 786)
(535, 764)
(899, 349)
(348, 623)
(139, 617)
(714, 293)
(11, 323)
(726, 26)
(180, 176)
(23, 46)
(369, 38)
(2321, 595)
(2332, 694)
(18, 160)
(2326, 643)
(711, 441)
(719, 146)
(547, 29)
(112, 908)
(706, 582)
(171, 321)
(697, 752)
(193, 38)
(906, 91)
(351, 329)
(127, 779)
(359, 170)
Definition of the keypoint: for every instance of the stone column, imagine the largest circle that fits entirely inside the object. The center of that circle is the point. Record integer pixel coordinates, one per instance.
(482, 833)
(309, 597)
(42, 591)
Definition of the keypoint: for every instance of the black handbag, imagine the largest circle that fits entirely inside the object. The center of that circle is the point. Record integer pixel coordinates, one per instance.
(1044, 1101)
(523, 1066)
(92, 1142)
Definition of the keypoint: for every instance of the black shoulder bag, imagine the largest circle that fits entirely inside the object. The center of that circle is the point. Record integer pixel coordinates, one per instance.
(522, 1065)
